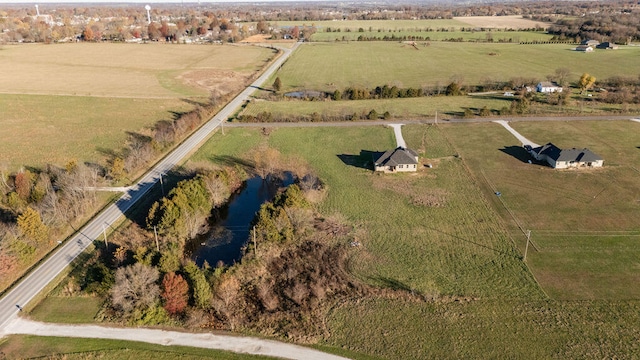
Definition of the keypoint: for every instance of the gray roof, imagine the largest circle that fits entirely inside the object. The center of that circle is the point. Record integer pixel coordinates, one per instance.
(557, 154)
(396, 157)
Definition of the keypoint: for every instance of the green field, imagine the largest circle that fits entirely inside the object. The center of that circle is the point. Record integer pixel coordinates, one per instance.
(371, 64)
(30, 347)
(383, 25)
(466, 251)
(584, 223)
(423, 36)
(44, 129)
(408, 108)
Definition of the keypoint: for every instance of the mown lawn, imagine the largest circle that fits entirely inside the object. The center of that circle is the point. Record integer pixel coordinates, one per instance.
(584, 223)
(371, 64)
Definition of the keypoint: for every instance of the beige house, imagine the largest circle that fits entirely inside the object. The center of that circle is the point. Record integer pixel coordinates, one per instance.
(397, 160)
(565, 158)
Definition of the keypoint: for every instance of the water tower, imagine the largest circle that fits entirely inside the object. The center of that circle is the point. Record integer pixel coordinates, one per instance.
(147, 7)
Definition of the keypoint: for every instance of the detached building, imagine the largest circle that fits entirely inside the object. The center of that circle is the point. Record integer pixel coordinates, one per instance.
(565, 158)
(548, 87)
(398, 160)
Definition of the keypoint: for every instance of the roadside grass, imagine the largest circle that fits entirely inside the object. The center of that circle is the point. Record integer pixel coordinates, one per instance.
(29, 347)
(123, 70)
(41, 129)
(584, 223)
(67, 309)
(434, 35)
(376, 63)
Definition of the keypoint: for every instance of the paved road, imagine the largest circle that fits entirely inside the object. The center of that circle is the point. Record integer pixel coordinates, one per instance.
(37, 279)
(238, 344)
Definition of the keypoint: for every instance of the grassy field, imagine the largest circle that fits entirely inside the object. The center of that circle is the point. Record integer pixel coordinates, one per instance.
(124, 70)
(425, 35)
(443, 234)
(371, 64)
(584, 223)
(43, 129)
(423, 107)
(30, 347)
(383, 25)
(463, 249)
(76, 101)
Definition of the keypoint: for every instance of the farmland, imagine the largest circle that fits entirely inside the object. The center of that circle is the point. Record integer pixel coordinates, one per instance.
(442, 233)
(371, 64)
(77, 101)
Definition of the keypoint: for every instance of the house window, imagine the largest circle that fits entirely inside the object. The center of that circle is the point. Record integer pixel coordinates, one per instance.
(400, 166)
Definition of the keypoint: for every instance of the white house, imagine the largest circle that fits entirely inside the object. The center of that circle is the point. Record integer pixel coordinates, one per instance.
(548, 87)
(565, 158)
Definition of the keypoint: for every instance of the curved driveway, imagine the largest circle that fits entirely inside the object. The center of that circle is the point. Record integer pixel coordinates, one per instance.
(238, 344)
(26, 289)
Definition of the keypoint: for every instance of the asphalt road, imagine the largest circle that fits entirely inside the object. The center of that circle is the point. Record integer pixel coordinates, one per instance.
(26, 289)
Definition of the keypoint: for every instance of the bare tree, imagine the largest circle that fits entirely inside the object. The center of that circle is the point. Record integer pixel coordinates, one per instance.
(135, 287)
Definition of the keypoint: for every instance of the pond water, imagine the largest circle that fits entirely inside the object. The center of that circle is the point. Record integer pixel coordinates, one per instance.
(230, 230)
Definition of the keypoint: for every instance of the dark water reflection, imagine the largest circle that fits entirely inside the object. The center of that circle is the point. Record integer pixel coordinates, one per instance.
(230, 230)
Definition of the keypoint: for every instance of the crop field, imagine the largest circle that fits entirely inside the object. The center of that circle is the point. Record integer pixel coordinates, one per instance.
(584, 224)
(501, 22)
(375, 25)
(371, 64)
(76, 101)
(441, 234)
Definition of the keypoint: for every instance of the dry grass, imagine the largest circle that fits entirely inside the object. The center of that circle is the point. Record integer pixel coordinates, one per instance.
(120, 70)
(501, 22)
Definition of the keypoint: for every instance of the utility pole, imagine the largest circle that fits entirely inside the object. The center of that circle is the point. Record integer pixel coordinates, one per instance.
(156, 233)
(161, 185)
(436, 117)
(104, 232)
(526, 248)
(255, 245)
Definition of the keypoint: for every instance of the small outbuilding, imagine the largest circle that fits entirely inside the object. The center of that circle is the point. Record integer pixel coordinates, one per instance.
(399, 159)
(590, 42)
(607, 46)
(585, 48)
(548, 87)
(565, 158)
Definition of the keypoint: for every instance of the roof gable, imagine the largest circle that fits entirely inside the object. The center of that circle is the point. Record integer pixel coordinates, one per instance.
(398, 156)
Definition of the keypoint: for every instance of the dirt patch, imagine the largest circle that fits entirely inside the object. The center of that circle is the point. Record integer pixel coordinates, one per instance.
(418, 196)
(501, 22)
(256, 38)
(221, 81)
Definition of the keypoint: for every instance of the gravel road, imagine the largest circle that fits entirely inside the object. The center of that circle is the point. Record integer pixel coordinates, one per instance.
(237, 344)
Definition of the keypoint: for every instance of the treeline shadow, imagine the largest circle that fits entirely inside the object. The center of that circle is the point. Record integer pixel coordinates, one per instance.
(228, 160)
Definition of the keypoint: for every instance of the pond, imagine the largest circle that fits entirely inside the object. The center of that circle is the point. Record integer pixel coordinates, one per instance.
(230, 230)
